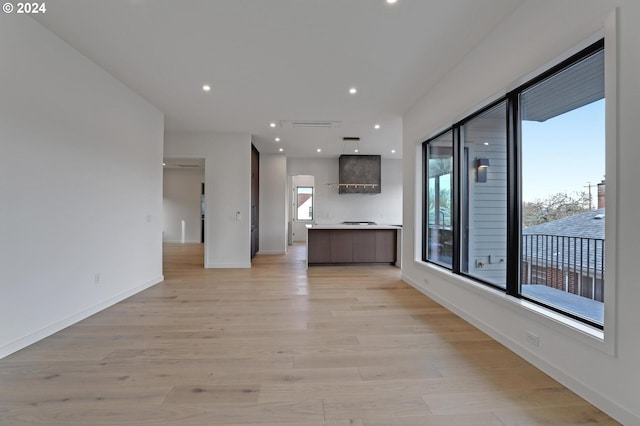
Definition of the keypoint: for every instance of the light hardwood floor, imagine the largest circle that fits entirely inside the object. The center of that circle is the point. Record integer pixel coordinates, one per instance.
(279, 345)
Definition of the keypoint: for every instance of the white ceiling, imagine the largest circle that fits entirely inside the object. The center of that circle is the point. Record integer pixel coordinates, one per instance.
(278, 60)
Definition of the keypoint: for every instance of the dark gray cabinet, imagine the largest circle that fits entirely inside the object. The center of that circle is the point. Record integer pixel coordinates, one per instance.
(343, 246)
(364, 246)
(386, 243)
(319, 247)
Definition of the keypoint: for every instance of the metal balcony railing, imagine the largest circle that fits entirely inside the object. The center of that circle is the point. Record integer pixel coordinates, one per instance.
(572, 264)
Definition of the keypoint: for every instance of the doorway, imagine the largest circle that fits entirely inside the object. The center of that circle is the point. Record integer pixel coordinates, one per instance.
(183, 200)
(302, 210)
(255, 201)
(202, 211)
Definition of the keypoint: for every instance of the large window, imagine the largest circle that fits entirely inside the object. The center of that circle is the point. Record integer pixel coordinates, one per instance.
(562, 145)
(484, 196)
(515, 193)
(439, 166)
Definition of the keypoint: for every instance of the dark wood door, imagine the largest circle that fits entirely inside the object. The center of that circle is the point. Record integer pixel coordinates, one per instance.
(255, 200)
(202, 212)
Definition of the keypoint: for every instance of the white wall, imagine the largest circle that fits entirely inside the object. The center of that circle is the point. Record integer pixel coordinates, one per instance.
(538, 34)
(181, 197)
(273, 204)
(331, 207)
(227, 192)
(80, 186)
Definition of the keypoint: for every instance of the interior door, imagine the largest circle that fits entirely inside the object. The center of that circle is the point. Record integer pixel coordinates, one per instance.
(255, 200)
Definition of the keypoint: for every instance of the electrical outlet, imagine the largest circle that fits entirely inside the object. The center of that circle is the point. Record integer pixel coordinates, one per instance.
(533, 339)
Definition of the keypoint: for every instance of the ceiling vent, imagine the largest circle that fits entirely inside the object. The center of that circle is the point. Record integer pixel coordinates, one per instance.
(188, 165)
(310, 124)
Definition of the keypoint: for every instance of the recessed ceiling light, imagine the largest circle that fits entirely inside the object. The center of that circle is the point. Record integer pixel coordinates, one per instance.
(356, 150)
(164, 164)
(272, 125)
(393, 151)
(353, 90)
(318, 150)
(281, 149)
(392, 1)
(277, 139)
(377, 126)
(486, 144)
(206, 87)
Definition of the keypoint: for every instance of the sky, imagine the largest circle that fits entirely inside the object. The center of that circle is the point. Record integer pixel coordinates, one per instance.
(564, 153)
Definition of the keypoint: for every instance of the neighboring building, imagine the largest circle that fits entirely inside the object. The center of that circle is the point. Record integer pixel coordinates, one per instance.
(567, 254)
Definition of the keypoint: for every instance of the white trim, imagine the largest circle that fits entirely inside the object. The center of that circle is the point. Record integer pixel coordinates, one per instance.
(575, 329)
(612, 156)
(418, 206)
(575, 384)
(47, 331)
(239, 265)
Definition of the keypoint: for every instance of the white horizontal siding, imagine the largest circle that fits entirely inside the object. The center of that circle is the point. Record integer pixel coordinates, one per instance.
(487, 201)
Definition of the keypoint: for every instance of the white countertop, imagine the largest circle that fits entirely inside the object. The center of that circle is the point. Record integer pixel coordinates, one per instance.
(343, 226)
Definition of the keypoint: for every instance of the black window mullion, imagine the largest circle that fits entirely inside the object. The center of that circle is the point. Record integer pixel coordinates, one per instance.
(456, 200)
(513, 196)
(425, 201)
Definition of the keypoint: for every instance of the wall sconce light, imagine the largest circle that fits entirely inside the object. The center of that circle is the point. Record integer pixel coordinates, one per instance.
(482, 164)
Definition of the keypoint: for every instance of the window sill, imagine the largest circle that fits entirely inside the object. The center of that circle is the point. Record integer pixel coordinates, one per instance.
(554, 321)
(559, 318)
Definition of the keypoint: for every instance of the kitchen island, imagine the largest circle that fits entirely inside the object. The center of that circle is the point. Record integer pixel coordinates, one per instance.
(344, 244)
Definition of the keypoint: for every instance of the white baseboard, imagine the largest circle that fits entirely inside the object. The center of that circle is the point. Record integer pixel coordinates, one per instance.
(594, 397)
(241, 265)
(32, 338)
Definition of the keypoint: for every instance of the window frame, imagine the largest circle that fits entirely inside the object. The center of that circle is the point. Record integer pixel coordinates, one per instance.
(312, 203)
(453, 220)
(514, 191)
